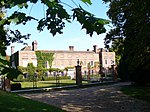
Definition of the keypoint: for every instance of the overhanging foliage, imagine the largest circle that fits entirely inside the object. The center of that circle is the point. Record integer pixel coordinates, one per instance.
(54, 21)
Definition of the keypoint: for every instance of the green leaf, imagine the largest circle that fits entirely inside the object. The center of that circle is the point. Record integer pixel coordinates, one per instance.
(89, 21)
(19, 17)
(87, 1)
(2, 22)
(15, 20)
(103, 21)
(54, 21)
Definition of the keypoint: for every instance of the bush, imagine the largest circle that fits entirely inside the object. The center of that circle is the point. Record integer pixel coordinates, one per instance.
(141, 77)
(20, 78)
(16, 86)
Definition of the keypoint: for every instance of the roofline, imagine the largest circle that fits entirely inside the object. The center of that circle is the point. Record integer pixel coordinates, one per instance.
(65, 51)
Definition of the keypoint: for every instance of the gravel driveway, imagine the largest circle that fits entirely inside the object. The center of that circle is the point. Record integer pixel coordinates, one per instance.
(106, 98)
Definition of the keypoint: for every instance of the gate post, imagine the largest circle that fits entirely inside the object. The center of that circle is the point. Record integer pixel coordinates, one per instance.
(114, 73)
(78, 74)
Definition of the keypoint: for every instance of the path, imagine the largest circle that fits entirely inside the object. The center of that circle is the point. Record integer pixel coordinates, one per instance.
(106, 98)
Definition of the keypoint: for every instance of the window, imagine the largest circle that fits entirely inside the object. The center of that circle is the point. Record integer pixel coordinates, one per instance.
(112, 62)
(106, 62)
(92, 63)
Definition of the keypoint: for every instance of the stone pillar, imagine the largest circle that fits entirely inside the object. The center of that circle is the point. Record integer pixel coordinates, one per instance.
(34, 45)
(89, 78)
(7, 85)
(114, 73)
(12, 49)
(78, 75)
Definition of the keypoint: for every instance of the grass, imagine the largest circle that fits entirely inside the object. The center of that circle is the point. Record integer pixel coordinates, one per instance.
(10, 102)
(44, 84)
(142, 93)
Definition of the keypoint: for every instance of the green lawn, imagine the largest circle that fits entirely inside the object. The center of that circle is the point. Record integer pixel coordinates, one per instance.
(10, 102)
(52, 83)
(142, 93)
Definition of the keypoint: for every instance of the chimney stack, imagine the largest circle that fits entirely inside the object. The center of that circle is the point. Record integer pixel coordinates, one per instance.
(34, 45)
(103, 50)
(95, 48)
(71, 48)
(12, 49)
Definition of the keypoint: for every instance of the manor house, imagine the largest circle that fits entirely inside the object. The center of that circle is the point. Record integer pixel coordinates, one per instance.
(65, 58)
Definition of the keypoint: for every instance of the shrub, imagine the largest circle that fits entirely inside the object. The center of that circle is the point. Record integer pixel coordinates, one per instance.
(20, 78)
(16, 86)
(141, 77)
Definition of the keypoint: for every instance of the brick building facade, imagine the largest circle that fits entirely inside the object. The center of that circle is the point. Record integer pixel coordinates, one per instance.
(65, 58)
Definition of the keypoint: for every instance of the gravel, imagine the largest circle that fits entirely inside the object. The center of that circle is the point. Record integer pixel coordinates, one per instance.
(105, 98)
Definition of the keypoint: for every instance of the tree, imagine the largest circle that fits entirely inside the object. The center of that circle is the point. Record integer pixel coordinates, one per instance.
(55, 19)
(132, 25)
(30, 70)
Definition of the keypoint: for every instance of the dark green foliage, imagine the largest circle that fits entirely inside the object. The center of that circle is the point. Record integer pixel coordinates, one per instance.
(55, 15)
(89, 22)
(30, 71)
(20, 18)
(10, 72)
(123, 72)
(140, 77)
(15, 86)
(55, 69)
(22, 69)
(131, 21)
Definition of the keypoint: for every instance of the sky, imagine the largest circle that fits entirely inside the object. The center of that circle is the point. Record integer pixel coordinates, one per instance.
(72, 35)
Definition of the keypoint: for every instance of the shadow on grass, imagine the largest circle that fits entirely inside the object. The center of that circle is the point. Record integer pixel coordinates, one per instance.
(139, 92)
(10, 102)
